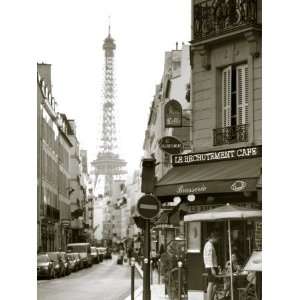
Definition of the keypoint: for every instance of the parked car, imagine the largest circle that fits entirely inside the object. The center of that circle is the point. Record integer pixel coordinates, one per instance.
(94, 254)
(45, 267)
(84, 249)
(78, 260)
(59, 266)
(66, 262)
(102, 253)
(72, 262)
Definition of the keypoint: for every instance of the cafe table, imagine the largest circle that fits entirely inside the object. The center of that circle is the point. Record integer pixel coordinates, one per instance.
(240, 281)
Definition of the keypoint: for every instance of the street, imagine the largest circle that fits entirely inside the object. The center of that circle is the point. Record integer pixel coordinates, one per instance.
(103, 281)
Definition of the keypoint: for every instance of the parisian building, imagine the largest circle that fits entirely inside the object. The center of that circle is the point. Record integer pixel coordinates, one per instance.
(224, 164)
(77, 190)
(53, 149)
(174, 86)
(89, 210)
(63, 177)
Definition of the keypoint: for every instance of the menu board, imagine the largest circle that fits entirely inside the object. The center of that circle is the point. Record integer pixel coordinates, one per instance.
(194, 237)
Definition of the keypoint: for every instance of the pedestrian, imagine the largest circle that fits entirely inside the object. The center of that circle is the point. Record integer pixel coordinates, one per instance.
(211, 264)
(121, 253)
(154, 259)
(161, 250)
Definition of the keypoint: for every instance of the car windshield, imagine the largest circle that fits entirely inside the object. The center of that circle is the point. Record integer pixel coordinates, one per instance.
(42, 259)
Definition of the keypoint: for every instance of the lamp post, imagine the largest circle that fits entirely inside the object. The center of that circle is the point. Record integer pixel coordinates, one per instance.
(179, 278)
(132, 263)
(146, 278)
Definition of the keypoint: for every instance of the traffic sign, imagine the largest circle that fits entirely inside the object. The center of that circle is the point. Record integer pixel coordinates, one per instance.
(148, 206)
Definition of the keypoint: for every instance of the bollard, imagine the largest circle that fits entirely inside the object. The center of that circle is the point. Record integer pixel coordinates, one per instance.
(132, 263)
(179, 279)
(158, 269)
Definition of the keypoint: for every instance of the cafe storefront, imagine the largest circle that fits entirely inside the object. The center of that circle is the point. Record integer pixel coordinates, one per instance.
(203, 181)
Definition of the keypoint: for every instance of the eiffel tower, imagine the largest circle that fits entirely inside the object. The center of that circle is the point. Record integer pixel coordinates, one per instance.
(108, 163)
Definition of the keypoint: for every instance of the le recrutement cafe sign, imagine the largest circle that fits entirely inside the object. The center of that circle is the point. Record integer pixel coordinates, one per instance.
(183, 186)
(231, 154)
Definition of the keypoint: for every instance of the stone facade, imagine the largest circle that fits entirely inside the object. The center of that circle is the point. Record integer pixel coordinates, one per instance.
(174, 85)
(209, 57)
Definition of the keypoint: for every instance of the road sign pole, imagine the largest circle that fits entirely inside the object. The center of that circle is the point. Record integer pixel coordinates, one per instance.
(146, 268)
(132, 263)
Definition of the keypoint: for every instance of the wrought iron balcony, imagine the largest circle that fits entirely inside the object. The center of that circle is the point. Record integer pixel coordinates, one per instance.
(231, 135)
(52, 212)
(216, 17)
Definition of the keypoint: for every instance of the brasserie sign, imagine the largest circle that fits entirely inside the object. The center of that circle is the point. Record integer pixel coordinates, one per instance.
(231, 154)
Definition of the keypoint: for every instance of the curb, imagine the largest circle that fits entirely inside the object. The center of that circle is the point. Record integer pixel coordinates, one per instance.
(137, 293)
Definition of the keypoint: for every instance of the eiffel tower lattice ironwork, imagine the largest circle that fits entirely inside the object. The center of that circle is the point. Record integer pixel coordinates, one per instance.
(108, 162)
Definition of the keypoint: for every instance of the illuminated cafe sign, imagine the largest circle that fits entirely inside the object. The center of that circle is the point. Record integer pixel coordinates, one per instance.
(231, 154)
(173, 114)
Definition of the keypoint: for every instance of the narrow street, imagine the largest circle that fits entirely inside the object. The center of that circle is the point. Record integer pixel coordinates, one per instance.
(103, 281)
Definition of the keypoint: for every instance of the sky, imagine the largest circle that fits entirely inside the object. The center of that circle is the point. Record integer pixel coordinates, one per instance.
(70, 38)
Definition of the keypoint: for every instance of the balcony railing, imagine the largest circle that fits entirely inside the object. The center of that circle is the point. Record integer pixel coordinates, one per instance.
(52, 212)
(216, 17)
(231, 135)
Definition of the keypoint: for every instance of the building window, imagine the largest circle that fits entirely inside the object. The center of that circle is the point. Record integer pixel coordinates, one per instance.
(235, 102)
(235, 95)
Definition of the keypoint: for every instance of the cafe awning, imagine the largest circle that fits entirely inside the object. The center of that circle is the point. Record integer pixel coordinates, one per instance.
(211, 177)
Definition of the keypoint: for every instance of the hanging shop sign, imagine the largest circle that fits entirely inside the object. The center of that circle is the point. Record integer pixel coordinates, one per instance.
(171, 145)
(148, 206)
(173, 114)
(231, 154)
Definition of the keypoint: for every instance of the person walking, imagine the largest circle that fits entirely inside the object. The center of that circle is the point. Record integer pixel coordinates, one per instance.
(211, 264)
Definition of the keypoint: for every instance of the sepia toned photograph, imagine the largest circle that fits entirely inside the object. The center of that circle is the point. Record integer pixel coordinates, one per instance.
(149, 150)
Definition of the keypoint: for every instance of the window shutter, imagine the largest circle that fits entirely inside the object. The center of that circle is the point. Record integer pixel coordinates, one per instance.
(242, 93)
(226, 96)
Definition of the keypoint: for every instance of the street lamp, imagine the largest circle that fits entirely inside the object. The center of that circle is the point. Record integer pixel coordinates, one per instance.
(191, 198)
(132, 262)
(176, 200)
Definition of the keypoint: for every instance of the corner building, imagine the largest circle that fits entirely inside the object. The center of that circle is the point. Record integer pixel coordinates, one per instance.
(224, 165)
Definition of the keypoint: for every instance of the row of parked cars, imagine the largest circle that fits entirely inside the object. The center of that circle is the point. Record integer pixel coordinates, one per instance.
(58, 264)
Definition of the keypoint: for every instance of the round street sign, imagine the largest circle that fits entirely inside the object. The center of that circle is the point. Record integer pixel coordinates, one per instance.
(148, 206)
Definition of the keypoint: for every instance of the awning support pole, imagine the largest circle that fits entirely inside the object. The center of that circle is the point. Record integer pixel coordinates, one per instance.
(230, 259)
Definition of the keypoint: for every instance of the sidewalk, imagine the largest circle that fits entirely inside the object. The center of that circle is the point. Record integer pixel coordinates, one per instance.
(157, 290)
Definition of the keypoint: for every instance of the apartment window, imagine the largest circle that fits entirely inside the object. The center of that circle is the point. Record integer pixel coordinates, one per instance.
(234, 106)
(235, 95)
